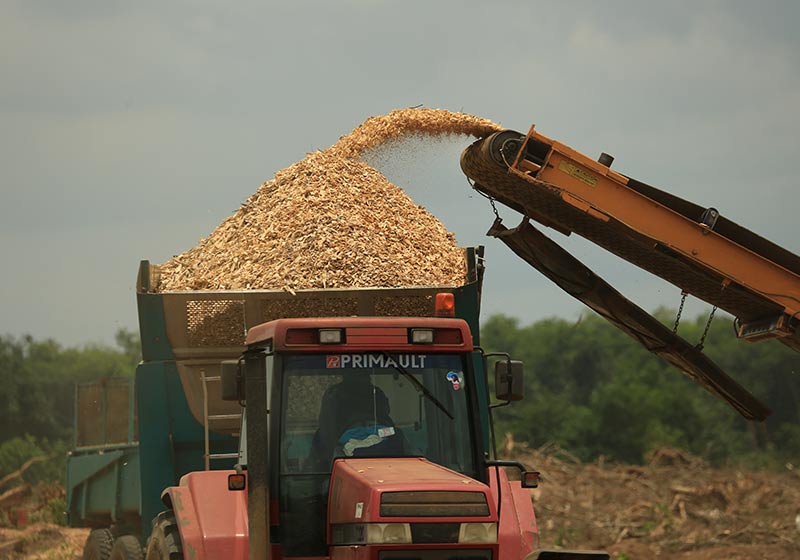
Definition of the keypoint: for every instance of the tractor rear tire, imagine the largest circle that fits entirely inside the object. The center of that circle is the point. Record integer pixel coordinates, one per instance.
(127, 547)
(165, 540)
(98, 545)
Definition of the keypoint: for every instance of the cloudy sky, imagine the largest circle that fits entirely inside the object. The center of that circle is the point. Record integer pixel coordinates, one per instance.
(129, 130)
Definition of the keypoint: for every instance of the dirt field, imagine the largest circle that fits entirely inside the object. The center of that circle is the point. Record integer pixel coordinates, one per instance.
(675, 508)
(42, 541)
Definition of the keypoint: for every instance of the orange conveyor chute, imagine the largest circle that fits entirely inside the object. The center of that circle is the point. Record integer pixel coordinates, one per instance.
(694, 248)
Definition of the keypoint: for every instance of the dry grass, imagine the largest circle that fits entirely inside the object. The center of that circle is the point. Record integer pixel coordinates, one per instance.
(332, 221)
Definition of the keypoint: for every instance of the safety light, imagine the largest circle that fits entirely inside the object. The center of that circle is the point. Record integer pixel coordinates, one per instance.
(530, 479)
(445, 305)
(478, 533)
(237, 481)
(422, 336)
(330, 336)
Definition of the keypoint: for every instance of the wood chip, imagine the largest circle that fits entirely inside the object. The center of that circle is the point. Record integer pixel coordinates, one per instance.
(333, 221)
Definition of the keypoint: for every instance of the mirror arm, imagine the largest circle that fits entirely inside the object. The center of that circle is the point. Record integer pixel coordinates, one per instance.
(528, 479)
(500, 404)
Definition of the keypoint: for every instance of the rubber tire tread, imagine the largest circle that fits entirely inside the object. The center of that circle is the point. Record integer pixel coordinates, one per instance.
(127, 547)
(165, 540)
(101, 541)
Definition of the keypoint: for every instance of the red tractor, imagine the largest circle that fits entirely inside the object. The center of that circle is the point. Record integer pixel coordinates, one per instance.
(364, 438)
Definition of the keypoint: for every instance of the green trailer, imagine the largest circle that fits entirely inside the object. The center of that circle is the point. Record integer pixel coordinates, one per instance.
(135, 438)
(103, 466)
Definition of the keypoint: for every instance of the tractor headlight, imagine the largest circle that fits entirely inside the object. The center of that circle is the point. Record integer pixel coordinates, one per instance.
(370, 533)
(478, 533)
(388, 533)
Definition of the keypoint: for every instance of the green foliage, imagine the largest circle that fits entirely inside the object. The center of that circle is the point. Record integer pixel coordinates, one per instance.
(597, 392)
(37, 400)
(588, 387)
(130, 344)
(16, 451)
(56, 511)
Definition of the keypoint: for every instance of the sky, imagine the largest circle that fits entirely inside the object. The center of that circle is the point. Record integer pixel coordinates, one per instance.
(130, 130)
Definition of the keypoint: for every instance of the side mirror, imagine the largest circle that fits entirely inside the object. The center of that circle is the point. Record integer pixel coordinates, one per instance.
(508, 381)
(231, 384)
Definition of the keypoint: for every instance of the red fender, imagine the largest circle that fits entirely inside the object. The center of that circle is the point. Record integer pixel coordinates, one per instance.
(212, 520)
(517, 533)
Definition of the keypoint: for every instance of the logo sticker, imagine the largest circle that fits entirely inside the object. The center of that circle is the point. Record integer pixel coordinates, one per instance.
(332, 362)
(456, 379)
(575, 171)
(365, 361)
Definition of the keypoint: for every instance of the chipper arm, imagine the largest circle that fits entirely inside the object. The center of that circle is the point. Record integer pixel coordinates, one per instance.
(692, 247)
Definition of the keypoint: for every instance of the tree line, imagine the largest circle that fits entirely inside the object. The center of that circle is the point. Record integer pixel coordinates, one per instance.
(38, 380)
(589, 388)
(594, 391)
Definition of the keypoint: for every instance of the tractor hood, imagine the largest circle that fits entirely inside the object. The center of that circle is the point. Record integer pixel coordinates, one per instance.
(404, 490)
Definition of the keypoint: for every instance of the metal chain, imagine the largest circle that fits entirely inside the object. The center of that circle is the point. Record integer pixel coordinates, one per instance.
(494, 208)
(702, 342)
(684, 293)
(487, 197)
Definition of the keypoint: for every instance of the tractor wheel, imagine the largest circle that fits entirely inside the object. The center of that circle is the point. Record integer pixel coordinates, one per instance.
(165, 540)
(98, 545)
(126, 547)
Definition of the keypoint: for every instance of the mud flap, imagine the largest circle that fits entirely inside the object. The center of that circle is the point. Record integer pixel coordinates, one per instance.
(580, 282)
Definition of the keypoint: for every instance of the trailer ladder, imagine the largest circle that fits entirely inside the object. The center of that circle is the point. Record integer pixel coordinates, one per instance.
(208, 419)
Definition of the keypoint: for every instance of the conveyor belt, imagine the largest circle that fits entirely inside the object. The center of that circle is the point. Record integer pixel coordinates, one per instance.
(693, 248)
(601, 205)
(580, 282)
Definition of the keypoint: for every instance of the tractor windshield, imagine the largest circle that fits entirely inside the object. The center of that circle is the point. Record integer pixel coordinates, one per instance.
(366, 405)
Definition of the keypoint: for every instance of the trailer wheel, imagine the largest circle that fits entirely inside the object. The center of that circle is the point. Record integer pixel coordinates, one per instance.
(98, 545)
(165, 540)
(126, 547)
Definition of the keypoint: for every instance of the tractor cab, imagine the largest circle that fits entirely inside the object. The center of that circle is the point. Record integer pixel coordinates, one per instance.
(372, 433)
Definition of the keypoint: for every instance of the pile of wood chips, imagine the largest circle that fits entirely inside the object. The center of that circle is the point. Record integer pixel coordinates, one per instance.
(333, 221)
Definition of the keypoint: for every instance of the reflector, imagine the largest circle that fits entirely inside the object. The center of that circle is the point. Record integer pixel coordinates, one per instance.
(237, 482)
(300, 336)
(530, 479)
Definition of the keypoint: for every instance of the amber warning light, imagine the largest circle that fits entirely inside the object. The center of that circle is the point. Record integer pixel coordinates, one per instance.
(445, 305)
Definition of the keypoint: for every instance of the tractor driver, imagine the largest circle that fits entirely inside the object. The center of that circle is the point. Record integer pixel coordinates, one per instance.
(354, 421)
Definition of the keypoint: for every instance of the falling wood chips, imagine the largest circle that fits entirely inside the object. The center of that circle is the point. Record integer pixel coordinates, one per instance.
(333, 221)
